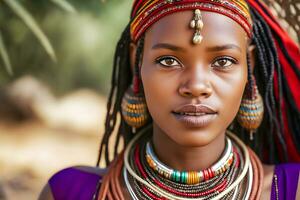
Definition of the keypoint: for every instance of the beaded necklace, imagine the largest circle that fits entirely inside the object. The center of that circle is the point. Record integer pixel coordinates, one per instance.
(191, 177)
(144, 182)
(238, 186)
(206, 189)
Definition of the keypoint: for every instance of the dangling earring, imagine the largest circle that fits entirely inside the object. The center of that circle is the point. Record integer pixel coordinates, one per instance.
(251, 110)
(134, 107)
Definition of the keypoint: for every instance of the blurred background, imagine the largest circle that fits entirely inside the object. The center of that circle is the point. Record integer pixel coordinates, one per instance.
(55, 69)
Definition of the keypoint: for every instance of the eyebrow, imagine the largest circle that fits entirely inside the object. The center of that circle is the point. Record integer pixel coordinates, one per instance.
(167, 46)
(214, 48)
(224, 47)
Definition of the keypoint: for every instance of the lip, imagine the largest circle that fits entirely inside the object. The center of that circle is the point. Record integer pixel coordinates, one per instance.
(196, 109)
(195, 115)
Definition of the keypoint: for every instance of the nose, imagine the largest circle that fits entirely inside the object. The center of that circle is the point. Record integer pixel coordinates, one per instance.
(196, 85)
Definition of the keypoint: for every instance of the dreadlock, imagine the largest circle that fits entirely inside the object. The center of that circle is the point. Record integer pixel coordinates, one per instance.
(271, 131)
(266, 67)
(121, 80)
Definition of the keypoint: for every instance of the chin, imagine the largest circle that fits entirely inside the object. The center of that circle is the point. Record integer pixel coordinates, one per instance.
(195, 138)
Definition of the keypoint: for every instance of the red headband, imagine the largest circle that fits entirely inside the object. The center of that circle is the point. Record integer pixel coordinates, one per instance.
(147, 12)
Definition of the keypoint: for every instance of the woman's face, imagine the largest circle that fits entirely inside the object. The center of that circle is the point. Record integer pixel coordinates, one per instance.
(193, 92)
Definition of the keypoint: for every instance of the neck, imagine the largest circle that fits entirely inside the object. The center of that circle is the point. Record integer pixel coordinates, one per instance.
(184, 158)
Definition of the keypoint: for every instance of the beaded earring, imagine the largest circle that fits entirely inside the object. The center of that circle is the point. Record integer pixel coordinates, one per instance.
(134, 107)
(250, 114)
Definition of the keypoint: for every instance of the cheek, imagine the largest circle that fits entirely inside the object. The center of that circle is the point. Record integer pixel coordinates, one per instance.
(231, 92)
(157, 90)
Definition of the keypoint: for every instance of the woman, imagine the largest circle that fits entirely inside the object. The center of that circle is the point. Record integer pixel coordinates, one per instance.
(190, 75)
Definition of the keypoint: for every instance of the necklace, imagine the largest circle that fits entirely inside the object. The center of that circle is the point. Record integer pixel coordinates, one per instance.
(191, 177)
(227, 185)
(130, 190)
(155, 189)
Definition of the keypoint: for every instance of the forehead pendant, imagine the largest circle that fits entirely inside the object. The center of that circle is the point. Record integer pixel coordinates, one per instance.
(197, 24)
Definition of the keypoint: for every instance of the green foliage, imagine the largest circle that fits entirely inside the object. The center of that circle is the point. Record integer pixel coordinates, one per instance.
(83, 41)
(4, 56)
(26, 17)
(64, 5)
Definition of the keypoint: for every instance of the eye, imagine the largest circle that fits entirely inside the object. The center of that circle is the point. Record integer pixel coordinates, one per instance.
(168, 61)
(224, 62)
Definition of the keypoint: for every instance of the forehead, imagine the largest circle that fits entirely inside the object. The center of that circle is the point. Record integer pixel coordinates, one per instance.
(175, 28)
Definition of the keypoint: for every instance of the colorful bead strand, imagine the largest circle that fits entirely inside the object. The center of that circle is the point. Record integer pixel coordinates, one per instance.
(191, 177)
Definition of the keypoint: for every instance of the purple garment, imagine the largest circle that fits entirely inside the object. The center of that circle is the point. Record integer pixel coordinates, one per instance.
(73, 184)
(287, 181)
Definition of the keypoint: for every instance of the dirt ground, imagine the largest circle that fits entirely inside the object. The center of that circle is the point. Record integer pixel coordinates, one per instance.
(41, 134)
(30, 153)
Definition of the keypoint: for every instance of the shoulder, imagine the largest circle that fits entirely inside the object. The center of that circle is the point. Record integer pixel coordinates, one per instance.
(267, 181)
(289, 168)
(281, 181)
(72, 183)
(76, 175)
(286, 181)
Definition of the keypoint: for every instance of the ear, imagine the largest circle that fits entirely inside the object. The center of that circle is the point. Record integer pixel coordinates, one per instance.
(132, 55)
(251, 53)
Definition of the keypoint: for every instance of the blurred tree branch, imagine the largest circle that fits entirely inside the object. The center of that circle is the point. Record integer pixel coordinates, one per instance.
(5, 57)
(30, 22)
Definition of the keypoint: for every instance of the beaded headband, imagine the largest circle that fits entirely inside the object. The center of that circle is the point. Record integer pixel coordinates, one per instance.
(147, 12)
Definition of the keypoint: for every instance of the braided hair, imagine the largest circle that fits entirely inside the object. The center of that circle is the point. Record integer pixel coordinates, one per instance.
(270, 135)
(121, 79)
